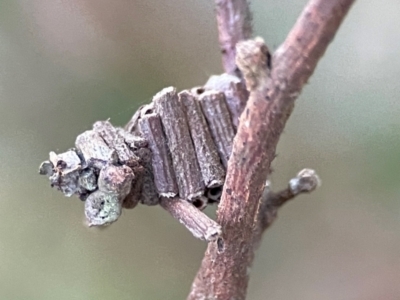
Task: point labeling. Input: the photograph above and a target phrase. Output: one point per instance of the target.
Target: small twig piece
(164, 175)
(187, 171)
(219, 121)
(207, 155)
(234, 25)
(116, 141)
(235, 92)
(198, 223)
(110, 167)
(133, 125)
(134, 141)
(94, 149)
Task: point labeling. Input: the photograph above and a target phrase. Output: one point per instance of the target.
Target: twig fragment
(187, 171)
(219, 121)
(207, 155)
(198, 223)
(235, 92)
(254, 60)
(116, 141)
(94, 149)
(234, 25)
(164, 175)
(88, 180)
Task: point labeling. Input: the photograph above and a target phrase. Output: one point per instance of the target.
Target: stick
(187, 171)
(164, 175)
(206, 152)
(219, 121)
(234, 25)
(223, 274)
(235, 93)
(198, 223)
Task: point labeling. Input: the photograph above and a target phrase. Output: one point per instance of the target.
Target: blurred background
(66, 64)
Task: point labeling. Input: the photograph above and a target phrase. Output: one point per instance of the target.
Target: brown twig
(217, 114)
(234, 25)
(305, 181)
(172, 113)
(164, 175)
(224, 270)
(235, 91)
(207, 155)
(198, 223)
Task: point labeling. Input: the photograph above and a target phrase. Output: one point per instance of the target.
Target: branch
(305, 181)
(224, 270)
(198, 223)
(234, 25)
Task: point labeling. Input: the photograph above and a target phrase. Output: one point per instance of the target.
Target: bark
(224, 270)
(234, 25)
(207, 155)
(188, 174)
(199, 224)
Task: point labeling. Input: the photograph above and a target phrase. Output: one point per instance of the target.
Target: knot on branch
(254, 61)
(305, 181)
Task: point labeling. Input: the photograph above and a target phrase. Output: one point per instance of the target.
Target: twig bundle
(175, 147)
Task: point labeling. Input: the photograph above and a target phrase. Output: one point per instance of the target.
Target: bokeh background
(66, 64)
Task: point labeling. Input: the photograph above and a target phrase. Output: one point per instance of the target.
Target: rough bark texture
(199, 224)
(235, 92)
(219, 121)
(224, 270)
(207, 155)
(234, 25)
(164, 175)
(187, 170)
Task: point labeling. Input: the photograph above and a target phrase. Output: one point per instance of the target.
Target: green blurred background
(66, 64)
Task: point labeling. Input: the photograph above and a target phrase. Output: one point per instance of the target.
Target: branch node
(305, 181)
(254, 60)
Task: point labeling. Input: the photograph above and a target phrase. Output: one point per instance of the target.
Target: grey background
(66, 64)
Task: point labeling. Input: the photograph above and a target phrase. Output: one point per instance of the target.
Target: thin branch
(234, 25)
(198, 223)
(306, 181)
(224, 270)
